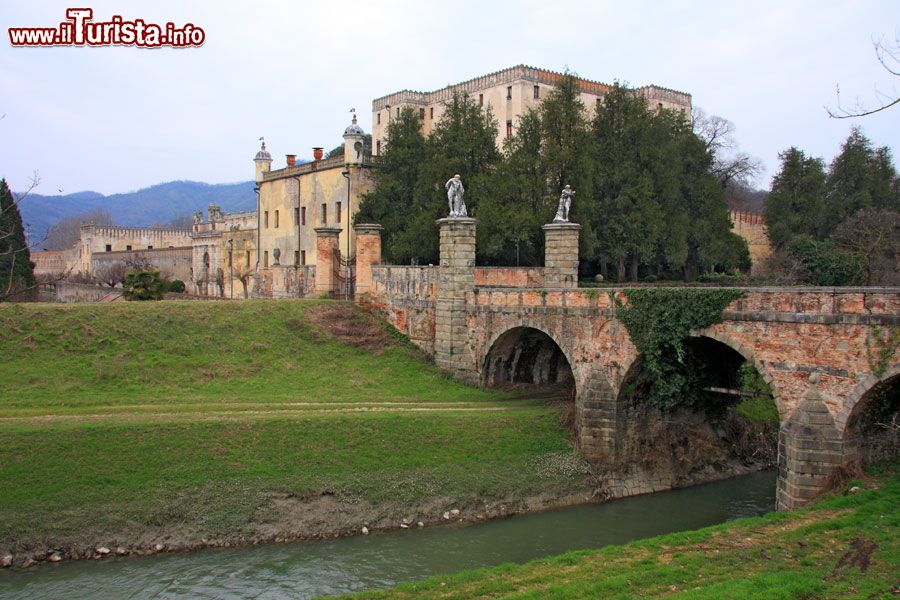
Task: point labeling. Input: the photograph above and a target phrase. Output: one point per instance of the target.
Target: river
(306, 569)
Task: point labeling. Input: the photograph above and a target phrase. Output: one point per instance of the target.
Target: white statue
(565, 202)
(455, 191)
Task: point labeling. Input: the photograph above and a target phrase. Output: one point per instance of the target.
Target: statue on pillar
(565, 202)
(455, 191)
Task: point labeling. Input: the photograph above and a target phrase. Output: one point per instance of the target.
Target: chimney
(291, 159)
(317, 153)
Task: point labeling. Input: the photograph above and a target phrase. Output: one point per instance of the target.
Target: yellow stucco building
(510, 93)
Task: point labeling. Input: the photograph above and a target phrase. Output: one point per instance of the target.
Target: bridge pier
(561, 255)
(809, 448)
(457, 277)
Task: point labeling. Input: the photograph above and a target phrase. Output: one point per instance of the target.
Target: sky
(117, 119)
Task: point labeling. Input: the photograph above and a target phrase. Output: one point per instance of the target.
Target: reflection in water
(308, 569)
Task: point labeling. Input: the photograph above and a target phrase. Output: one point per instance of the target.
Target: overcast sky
(117, 119)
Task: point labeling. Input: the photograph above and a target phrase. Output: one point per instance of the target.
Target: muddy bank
(326, 516)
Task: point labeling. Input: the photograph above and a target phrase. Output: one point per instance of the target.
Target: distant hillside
(158, 203)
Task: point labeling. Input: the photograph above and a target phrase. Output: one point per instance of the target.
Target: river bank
(297, 571)
(843, 546)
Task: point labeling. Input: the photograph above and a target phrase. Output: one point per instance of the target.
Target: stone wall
(519, 277)
(284, 281)
(407, 295)
(173, 263)
(752, 227)
(82, 292)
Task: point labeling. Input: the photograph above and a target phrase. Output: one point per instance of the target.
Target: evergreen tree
(16, 268)
(393, 200)
(519, 203)
(860, 177)
(796, 204)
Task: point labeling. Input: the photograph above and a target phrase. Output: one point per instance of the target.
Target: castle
(304, 211)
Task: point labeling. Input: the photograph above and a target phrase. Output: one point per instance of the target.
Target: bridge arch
(525, 354)
(862, 440)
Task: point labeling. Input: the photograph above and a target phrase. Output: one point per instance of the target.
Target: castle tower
(263, 162)
(354, 139)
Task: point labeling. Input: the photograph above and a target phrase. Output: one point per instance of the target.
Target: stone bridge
(820, 349)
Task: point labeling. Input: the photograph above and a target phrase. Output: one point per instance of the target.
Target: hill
(158, 203)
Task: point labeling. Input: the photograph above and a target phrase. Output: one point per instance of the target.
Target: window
(537, 92)
(509, 129)
(109, 247)
(599, 103)
(378, 116)
(296, 257)
(432, 113)
(509, 93)
(324, 213)
(128, 248)
(337, 210)
(149, 247)
(276, 219)
(266, 215)
(303, 216)
(303, 257)
(377, 146)
(398, 111)
(248, 259)
(266, 258)
(296, 216)
(422, 114)
(230, 258)
(480, 99)
(659, 106)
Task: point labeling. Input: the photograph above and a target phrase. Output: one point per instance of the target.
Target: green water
(303, 570)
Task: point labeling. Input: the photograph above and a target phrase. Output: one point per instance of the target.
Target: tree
(510, 217)
(860, 177)
(796, 204)
(729, 165)
(409, 195)
(393, 199)
(144, 285)
(873, 235)
(112, 273)
(16, 268)
(67, 232)
(888, 56)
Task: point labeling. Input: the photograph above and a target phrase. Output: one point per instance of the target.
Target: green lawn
(843, 547)
(137, 423)
(65, 356)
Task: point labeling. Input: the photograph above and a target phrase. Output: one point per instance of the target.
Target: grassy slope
(183, 352)
(812, 553)
(116, 421)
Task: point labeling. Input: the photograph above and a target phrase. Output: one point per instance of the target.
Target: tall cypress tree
(796, 204)
(16, 268)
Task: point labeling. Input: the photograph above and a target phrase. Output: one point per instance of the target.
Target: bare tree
(112, 273)
(66, 232)
(729, 165)
(179, 222)
(874, 235)
(888, 55)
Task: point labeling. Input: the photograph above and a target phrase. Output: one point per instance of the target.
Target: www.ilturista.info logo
(78, 30)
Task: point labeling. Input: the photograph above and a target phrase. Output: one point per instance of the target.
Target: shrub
(144, 285)
(177, 286)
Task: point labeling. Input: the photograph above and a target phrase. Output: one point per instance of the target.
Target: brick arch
(851, 402)
(741, 349)
(566, 348)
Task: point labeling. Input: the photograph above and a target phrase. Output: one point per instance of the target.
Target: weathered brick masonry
(814, 346)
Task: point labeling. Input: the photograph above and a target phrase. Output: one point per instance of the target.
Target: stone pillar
(327, 254)
(368, 253)
(456, 277)
(561, 255)
(809, 447)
